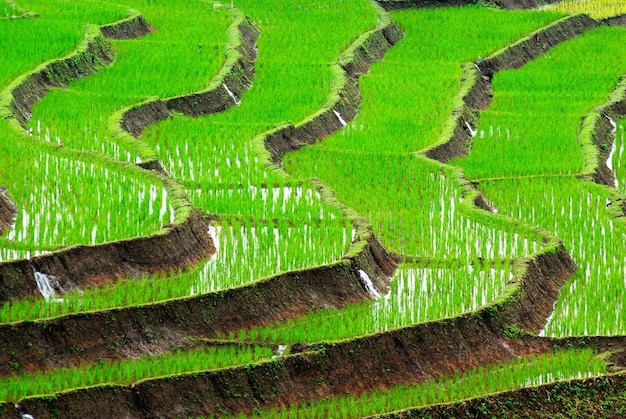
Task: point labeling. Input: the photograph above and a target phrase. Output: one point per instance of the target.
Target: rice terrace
(312, 208)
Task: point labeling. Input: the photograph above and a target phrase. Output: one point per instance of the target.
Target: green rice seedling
(522, 372)
(247, 251)
(412, 207)
(533, 162)
(597, 9)
(128, 371)
(295, 202)
(213, 156)
(292, 75)
(26, 43)
(425, 217)
(147, 66)
(417, 294)
(554, 91)
(70, 201)
(408, 95)
(592, 301)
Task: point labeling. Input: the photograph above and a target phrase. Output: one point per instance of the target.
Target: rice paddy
(350, 205)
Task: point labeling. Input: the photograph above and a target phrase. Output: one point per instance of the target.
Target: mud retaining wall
(536, 44)
(401, 356)
(405, 355)
(344, 100)
(91, 56)
(108, 334)
(133, 27)
(235, 77)
(78, 266)
(8, 212)
(81, 266)
(475, 91)
(597, 136)
(615, 20)
(600, 397)
(506, 4)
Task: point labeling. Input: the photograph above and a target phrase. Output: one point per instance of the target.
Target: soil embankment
(76, 267)
(94, 334)
(408, 355)
(225, 90)
(414, 354)
(8, 210)
(506, 4)
(476, 84)
(600, 397)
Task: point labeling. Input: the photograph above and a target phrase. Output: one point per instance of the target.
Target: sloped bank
(108, 334)
(181, 244)
(401, 356)
(343, 102)
(506, 4)
(599, 397)
(407, 355)
(597, 139)
(475, 91)
(225, 90)
(8, 211)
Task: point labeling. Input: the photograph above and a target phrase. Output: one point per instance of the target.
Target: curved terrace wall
(506, 4)
(410, 354)
(475, 91)
(182, 244)
(8, 211)
(235, 77)
(407, 355)
(584, 398)
(280, 297)
(597, 138)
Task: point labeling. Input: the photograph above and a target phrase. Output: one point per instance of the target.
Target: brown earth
(238, 79)
(177, 246)
(133, 27)
(601, 397)
(407, 355)
(111, 334)
(479, 95)
(506, 4)
(8, 212)
(291, 137)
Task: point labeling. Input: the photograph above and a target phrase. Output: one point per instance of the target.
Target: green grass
(75, 200)
(528, 140)
(592, 301)
(26, 43)
(247, 251)
(413, 208)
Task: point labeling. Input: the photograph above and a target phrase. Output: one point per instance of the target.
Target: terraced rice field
(286, 209)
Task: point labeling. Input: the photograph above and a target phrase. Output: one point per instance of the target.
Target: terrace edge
(182, 244)
(284, 295)
(514, 307)
(237, 72)
(475, 91)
